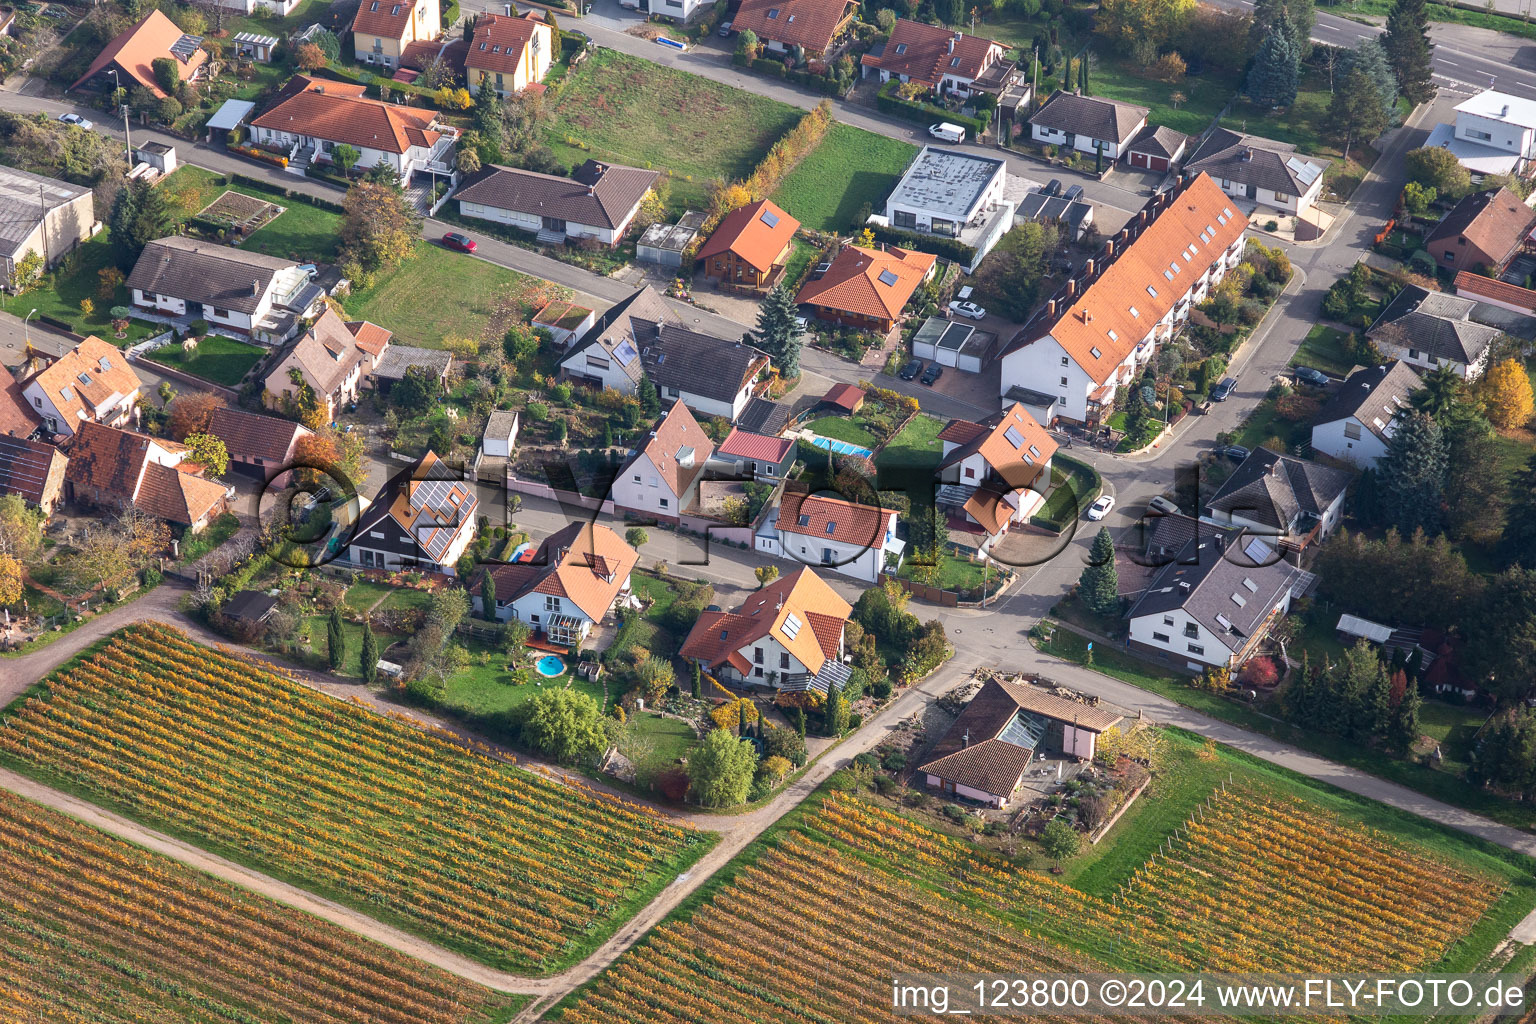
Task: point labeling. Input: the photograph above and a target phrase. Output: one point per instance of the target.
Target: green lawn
(841, 428)
(1440, 785)
(486, 691)
(363, 596)
(627, 109)
(1261, 425)
(301, 232)
(954, 573)
(916, 446)
(196, 545)
(319, 646)
(440, 294)
(58, 295)
(401, 598)
(1073, 488)
(216, 358)
(849, 168)
(667, 738)
(801, 253)
(1324, 348)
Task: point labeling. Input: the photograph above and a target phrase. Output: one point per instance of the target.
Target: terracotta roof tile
(677, 439)
(869, 282)
(16, 417)
(371, 338)
(86, 378)
(1488, 289)
(1013, 444)
(926, 53)
(354, 120)
(844, 396)
(387, 19)
(1100, 319)
(249, 435)
(816, 607)
(135, 49)
(499, 41)
(1496, 222)
(808, 23)
(585, 562)
(815, 515)
(757, 233)
(741, 444)
(177, 497)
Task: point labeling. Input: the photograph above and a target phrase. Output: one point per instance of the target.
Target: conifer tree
(369, 656)
(335, 641)
(1098, 586)
(1409, 50)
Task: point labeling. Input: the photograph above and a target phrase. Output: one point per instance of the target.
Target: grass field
(849, 168)
(116, 933)
(842, 428)
(301, 232)
(470, 852)
(1324, 349)
(1272, 874)
(1073, 490)
(216, 358)
(439, 294)
(623, 108)
(60, 292)
(916, 447)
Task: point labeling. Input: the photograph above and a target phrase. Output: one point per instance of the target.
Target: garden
(1257, 870)
(632, 111)
(213, 358)
(542, 872)
(852, 169)
(1328, 349)
(190, 943)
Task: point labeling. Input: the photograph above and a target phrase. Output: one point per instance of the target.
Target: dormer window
(901, 48)
(805, 520)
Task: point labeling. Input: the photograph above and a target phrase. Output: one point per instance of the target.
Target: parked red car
(454, 240)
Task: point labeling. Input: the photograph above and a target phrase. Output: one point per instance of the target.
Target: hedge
(1077, 467)
(951, 249)
(778, 69)
(926, 113)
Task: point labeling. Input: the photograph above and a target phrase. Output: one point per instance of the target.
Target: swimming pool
(550, 666)
(840, 447)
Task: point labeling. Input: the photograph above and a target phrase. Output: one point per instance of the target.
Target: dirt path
(736, 831)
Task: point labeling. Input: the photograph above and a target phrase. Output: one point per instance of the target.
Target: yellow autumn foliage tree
(1506, 392)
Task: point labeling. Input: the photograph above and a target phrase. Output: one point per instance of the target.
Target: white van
(947, 132)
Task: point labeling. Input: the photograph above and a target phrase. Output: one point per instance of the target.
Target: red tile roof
(678, 433)
(1479, 287)
(25, 466)
(1100, 320)
(869, 282)
(926, 53)
(1012, 443)
(133, 51)
(16, 416)
(716, 637)
(357, 121)
(108, 378)
(387, 19)
(742, 444)
(371, 338)
(809, 23)
(586, 563)
(850, 522)
(499, 41)
(247, 435)
(177, 497)
(757, 233)
(844, 396)
(961, 431)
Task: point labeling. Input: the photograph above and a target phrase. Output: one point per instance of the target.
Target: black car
(1052, 189)
(1231, 451)
(1223, 391)
(1310, 377)
(1073, 193)
(933, 373)
(911, 370)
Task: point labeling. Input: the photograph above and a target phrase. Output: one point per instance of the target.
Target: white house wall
(1148, 629)
(534, 223)
(641, 488)
(1362, 451)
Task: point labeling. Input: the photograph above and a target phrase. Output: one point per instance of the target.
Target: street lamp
(26, 333)
(122, 109)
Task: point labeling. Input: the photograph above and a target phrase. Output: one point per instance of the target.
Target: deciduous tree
(310, 57)
(1439, 169)
(379, 228)
(721, 769)
(566, 725)
(208, 451)
(1506, 393)
(10, 579)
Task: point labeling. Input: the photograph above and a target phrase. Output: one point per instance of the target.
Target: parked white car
(77, 120)
(967, 309)
(1099, 509)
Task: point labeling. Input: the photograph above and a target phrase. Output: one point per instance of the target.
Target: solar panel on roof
(1304, 170)
(887, 277)
(1014, 437)
(770, 218)
(625, 353)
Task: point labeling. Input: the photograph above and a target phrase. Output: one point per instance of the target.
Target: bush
(925, 113)
(954, 812)
(866, 760)
(880, 689)
(895, 761)
(885, 785)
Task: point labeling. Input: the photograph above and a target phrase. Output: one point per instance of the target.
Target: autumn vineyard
(856, 893)
(466, 850)
(93, 929)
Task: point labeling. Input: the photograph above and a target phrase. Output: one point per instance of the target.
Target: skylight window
(954, 62)
(901, 48)
(791, 19)
(1113, 336)
(805, 520)
(1034, 451)
(1135, 314)
(791, 627)
(1223, 622)
(69, 395)
(887, 277)
(1174, 266)
(1239, 600)
(482, 44)
(1168, 274)
(770, 218)
(496, 48)
(1221, 219)
(1014, 437)
(1095, 353)
(1152, 291)
(1228, 211)
(773, 13)
(1210, 230)
(83, 378)
(1250, 586)
(831, 528)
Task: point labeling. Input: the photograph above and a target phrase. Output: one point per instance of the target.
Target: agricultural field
(468, 851)
(622, 108)
(849, 168)
(1264, 874)
(115, 933)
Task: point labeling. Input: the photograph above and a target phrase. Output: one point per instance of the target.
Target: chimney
(1071, 287)
(1050, 308)
(965, 741)
(507, 9)
(954, 37)
(1109, 248)
(1504, 111)
(255, 287)
(1088, 270)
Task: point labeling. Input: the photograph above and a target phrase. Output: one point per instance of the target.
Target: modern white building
(1103, 326)
(1360, 418)
(1494, 133)
(574, 579)
(830, 533)
(246, 292)
(953, 194)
